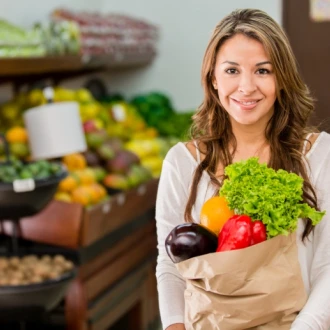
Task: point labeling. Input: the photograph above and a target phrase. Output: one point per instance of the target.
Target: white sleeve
(170, 205)
(316, 313)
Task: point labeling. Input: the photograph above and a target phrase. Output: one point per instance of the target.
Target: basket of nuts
(33, 280)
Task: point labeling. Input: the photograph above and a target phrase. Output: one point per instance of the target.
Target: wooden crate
(71, 225)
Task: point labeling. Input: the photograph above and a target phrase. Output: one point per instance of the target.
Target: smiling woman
(255, 104)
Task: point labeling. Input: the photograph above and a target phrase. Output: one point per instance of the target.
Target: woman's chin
(244, 121)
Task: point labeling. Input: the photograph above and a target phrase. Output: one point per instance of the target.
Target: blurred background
(92, 96)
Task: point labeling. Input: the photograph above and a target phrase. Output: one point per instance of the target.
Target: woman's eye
(263, 71)
(231, 71)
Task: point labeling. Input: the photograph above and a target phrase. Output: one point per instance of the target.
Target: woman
(255, 104)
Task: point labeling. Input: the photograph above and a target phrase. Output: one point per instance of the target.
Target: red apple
(90, 126)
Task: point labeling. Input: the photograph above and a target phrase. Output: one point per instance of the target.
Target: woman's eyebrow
(229, 62)
(263, 63)
(258, 64)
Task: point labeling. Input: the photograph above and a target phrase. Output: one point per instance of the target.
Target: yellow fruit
(82, 196)
(68, 184)
(74, 162)
(147, 133)
(98, 123)
(152, 163)
(17, 134)
(36, 97)
(151, 132)
(89, 111)
(83, 95)
(63, 94)
(214, 213)
(10, 111)
(86, 176)
(63, 196)
(19, 149)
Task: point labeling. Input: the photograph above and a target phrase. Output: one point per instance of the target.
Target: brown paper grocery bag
(259, 287)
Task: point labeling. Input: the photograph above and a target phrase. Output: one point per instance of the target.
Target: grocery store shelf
(61, 67)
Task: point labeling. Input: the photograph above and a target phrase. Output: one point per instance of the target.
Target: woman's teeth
(248, 103)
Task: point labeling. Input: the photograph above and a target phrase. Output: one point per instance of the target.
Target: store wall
(186, 26)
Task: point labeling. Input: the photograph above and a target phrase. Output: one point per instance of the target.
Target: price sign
(24, 185)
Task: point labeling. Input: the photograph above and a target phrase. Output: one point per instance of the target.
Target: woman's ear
(214, 83)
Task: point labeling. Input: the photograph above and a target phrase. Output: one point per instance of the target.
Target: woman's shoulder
(318, 144)
(181, 154)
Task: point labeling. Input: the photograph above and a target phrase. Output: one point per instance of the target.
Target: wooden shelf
(73, 226)
(22, 70)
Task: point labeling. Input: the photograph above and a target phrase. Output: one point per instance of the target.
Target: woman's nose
(247, 84)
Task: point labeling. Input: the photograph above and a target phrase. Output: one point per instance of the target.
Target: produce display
(111, 164)
(264, 207)
(32, 269)
(124, 150)
(82, 185)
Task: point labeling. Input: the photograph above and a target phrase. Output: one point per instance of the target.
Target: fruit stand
(113, 242)
(101, 216)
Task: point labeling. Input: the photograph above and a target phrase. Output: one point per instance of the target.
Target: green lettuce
(274, 197)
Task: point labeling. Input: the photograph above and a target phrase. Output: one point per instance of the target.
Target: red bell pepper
(259, 233)
(235, 234)
(240, 232)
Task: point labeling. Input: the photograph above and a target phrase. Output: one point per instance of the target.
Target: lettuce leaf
(274, 197)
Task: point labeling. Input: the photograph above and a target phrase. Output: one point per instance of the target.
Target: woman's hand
(176, 326)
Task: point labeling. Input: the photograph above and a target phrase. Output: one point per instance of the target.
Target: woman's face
(245, 81)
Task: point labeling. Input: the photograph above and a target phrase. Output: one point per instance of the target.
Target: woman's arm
(171, 201)
(316, 313)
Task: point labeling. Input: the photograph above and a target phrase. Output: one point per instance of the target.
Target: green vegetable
(274, 197)
(40, 169)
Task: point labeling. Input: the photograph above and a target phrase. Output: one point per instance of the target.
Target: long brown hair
(287, 128)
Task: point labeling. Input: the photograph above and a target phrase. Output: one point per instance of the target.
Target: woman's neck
(251, 143)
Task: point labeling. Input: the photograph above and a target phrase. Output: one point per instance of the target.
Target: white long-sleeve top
(313, 254)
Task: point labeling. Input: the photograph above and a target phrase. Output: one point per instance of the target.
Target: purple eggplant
(190, 240)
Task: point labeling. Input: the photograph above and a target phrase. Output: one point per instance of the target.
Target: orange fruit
(68, 184)
(97, 192)
(214, 213)
(82, 195)
(17, 134)
(74, 162)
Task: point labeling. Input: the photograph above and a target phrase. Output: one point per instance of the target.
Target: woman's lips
(246, 104)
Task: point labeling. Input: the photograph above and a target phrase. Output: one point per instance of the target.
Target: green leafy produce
(274, 197)
(158, 112)
(17, 170)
